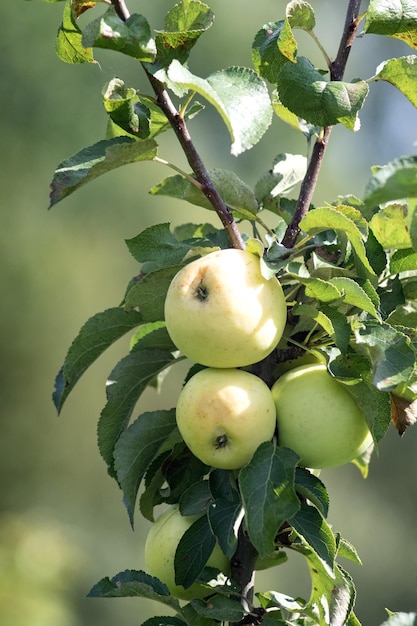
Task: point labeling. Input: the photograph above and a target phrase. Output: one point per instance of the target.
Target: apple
(318, 418)
(221, 312)
(160, 547)
(223, 416)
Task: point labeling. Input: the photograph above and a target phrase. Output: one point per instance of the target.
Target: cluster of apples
(222, 313)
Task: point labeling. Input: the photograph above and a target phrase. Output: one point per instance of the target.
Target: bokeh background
(62, 522)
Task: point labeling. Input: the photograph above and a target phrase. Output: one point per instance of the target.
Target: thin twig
(308, 186)
(179, 126)
(121, 9)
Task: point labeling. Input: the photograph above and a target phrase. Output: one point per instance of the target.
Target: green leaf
(393, 19)
(391, 227)
(346, 550)
(193, 552)
(125, 109)
(303, 91)
(403, 261)
(238, 196)
(219, 608)
(292, 119)
(126, 383)
(158, 247)
(69, 47)
(332, 322)
(394, 181)
(404, 315)
(353, 294)
(329, 218)
(136, 448)
(287, 171)
(268, 494)
(184, 25)
(152, 335)
(196, 499)
(389, 351)
(311, 487)
(333, 593)
(97, 334)
(194, 619)
(402, 73)
(311, 526)
(91, 162)
(222, 516)
(134, 583)
(300, 14)
(268, 49)
(149, 293)
(132, 37)
(356, 371)
(239, 95)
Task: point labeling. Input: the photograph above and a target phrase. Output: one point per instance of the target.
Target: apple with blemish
(220, 311)
(223, 416)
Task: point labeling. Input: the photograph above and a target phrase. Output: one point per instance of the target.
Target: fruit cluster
(222, 313)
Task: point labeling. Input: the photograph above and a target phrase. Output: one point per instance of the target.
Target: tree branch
(308, 186)
(180, 128)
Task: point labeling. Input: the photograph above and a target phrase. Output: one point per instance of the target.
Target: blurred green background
(62, 522)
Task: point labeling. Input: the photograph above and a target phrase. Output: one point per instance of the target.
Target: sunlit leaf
(394, 181)
(69, 46)
(132, 37)
(402, 73)
(393, 18)
(239, 95)
(184, 25)
(287, 171)
(390, 352)
(329, 218)
(300, 14)
(268, 49)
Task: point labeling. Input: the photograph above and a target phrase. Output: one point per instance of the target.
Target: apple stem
(308, 185)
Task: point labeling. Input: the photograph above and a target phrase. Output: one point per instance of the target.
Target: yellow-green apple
(224, 414)
(161, 545)
(221, 312)
(318, 418)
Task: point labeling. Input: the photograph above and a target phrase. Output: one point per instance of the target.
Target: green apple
(221, 312)
(224, 414)
(160, 547)
(318, 418)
